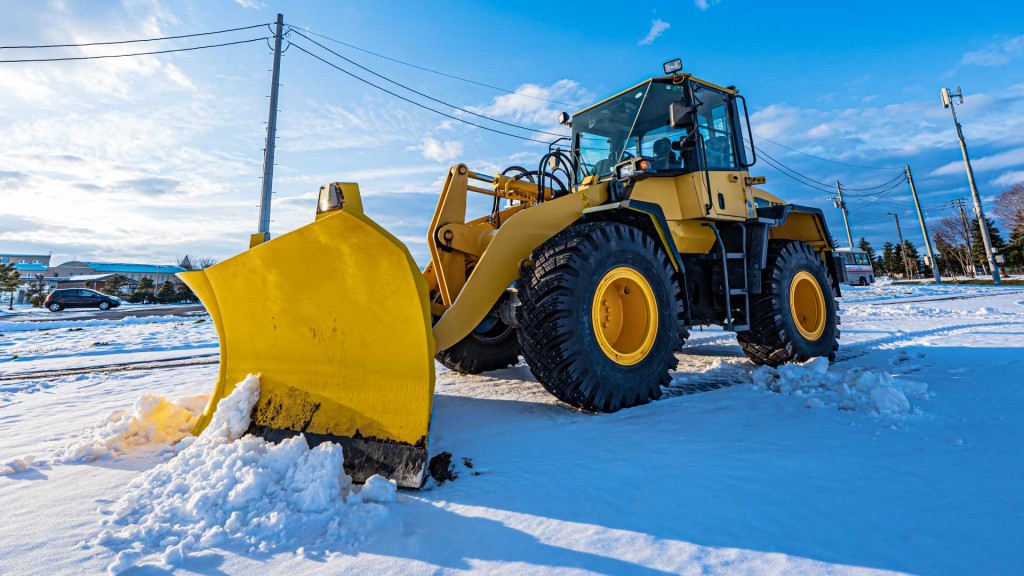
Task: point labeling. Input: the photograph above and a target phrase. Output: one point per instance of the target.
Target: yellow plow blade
(335, 319)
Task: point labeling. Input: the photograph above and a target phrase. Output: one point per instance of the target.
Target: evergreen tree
(876, 262)
(889, 258)
(978, 246)
(114, 285)
(913, 258)
(143, 292)
(185, 294)
(36, 291)
(10, 279)
(166, 294)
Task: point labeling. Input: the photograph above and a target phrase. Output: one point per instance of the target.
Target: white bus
(856, 267)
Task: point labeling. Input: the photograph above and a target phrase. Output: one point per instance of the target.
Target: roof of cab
(674, 77)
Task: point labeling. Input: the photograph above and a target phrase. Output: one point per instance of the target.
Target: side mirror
(682, 117)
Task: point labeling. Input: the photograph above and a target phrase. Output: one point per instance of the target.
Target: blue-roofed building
(158, 273)
(28, 264)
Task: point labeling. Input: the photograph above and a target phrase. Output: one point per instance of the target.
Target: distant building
(158, 273)
(28, 265)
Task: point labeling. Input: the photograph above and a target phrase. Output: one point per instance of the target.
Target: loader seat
(664, 157)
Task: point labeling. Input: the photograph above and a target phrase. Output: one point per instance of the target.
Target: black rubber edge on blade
(404, 463)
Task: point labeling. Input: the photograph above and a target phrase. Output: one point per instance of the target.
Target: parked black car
(79, 298)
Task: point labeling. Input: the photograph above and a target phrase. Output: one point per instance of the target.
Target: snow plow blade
(334, 317)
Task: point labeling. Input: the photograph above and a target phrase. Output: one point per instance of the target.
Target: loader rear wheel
(795, 318)
(601, 316)
(493, 345)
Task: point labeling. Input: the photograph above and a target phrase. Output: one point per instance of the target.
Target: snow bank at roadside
(25, 326)
(225, 489)
(857, 389)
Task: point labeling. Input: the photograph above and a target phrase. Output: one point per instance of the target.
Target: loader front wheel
(795, 318)
(601, 316)
(493, 345)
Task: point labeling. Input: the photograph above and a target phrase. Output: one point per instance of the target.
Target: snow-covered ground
(902, 456)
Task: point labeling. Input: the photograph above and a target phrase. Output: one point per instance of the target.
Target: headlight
(624, 171)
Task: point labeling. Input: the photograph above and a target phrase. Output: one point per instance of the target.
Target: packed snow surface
(903, 456)
(223, 489)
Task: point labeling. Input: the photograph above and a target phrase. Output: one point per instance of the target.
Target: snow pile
(857, 389)
(153, 420)
(223, 489)
(17, 465)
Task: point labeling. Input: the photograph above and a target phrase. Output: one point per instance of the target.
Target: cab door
(717, 121)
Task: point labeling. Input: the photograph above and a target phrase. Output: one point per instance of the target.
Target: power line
(427, 96)
(424, 106)
(425, 69)
(133, 41)
(826, 159)
(62, 59)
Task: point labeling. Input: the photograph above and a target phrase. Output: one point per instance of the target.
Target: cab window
(715, 122)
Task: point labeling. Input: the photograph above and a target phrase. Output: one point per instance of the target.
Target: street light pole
(947, 102)
(903, 247)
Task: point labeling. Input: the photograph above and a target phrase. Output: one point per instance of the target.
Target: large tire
(777, 335)
(557, 316)
(491, 346)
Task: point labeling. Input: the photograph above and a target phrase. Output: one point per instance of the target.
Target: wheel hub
(807, 304)
(625, 316)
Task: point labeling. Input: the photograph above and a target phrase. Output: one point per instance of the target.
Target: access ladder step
(737, 291)
(740, 327)
(735, 256)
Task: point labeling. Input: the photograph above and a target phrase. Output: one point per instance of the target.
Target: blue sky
(145, 159)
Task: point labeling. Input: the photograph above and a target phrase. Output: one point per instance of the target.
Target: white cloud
(531, 104)
(1009, 178)
(995, 54)
(1008, 159)
(705, 4)
(658, 27)
(251, 4)
(433, 149)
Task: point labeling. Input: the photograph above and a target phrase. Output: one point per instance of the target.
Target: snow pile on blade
(153, 420)
(857, 389)
(226, 490)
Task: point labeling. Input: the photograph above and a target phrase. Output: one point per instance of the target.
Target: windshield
(636, 123)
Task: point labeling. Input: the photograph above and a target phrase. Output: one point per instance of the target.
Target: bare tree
(1009, 207)
(196, 263)
(951, 242)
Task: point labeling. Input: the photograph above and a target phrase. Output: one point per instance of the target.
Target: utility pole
(924, 229)
(903, 247)
(967, 235)
(263, 231)
(838, 202)
(947, 102)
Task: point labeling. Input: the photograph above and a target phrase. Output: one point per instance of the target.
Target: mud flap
(335, 319)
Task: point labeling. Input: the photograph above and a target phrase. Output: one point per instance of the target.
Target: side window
(656, 145)
(862, 258)
(714, 120)
(84, 294)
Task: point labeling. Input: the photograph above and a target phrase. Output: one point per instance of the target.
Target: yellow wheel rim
(807, 304)
(625, 316)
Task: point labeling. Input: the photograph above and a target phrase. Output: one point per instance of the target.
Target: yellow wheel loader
(592, 268)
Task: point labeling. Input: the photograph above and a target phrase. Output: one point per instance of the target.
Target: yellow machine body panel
(334, 317)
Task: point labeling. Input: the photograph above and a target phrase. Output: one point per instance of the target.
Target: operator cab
(703, 131)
